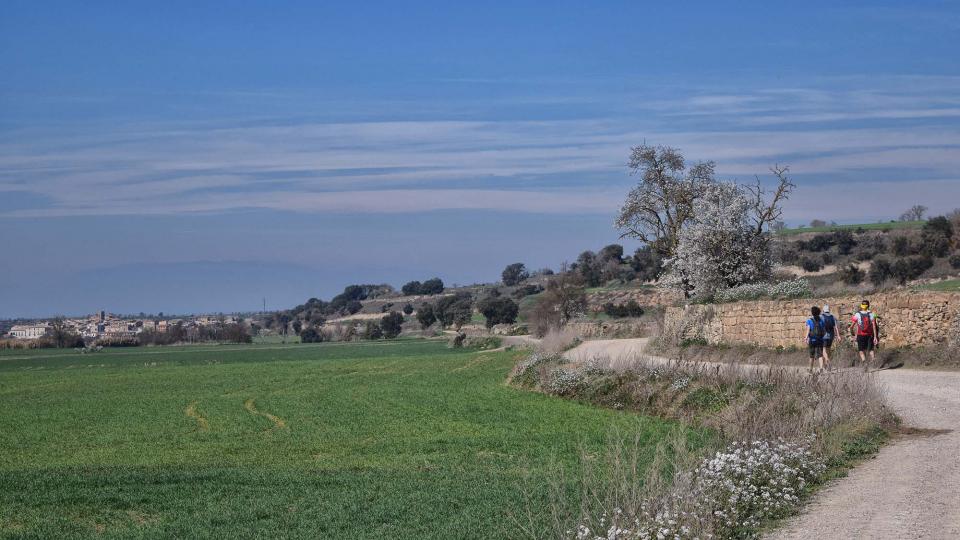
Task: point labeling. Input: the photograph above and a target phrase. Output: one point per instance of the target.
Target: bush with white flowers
(535, 359)
(796, 288)
(565, 381)
(728, 495)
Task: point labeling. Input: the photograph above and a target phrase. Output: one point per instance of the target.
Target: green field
(947, 285)
(892, 225)
(404, 439)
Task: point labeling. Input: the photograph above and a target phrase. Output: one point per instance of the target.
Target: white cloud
(412, 165)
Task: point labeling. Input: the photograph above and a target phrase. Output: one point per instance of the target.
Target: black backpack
(829, 324)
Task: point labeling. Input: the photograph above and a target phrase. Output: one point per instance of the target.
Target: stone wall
(626, 328)
(647, 296)
(906, 318)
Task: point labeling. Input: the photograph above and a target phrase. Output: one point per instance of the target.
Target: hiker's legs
(864, 344)
(825, 359)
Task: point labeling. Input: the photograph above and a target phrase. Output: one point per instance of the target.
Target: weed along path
(911, 489)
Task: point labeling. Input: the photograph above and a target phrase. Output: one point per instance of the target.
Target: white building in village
(29, 331)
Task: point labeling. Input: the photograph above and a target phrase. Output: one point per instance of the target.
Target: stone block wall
(650, 296)
(906, 318)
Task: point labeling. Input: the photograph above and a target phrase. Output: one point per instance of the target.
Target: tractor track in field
(191, 411)
(473, 362)
(251, 406)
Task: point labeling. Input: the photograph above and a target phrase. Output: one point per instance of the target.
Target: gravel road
(911, 489)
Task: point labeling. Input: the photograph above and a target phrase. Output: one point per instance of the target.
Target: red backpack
(864, 323)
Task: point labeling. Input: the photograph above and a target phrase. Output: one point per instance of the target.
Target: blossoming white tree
(719, 248)
(715, 235)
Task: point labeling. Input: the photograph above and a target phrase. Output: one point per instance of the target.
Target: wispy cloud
(574, 166)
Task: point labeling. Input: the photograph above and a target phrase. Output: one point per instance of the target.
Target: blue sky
(199, 156)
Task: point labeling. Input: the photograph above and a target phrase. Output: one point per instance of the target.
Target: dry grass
(558, 340)
(833, 413)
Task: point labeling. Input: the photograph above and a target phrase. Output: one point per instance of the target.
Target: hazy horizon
(184, 158)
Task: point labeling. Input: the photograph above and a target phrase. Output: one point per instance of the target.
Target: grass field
(403, 439)
(947, 285)
(892, 225)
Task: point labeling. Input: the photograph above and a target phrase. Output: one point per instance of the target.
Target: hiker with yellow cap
(864, 327)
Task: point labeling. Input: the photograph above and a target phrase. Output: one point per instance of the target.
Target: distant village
(103, 325)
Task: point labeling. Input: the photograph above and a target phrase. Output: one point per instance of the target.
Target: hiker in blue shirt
(813, 333)
(830, 333)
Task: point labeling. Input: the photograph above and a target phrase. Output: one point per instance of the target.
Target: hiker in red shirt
(863, 326)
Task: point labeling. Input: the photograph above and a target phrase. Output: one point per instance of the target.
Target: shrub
(590, 268)
(647, 264)
(630, 309)
(797, 288)
(513, 274)
(935, 245)
(353, 307)
(845, 242)
(565, 381)
(955, 261)
(901, 246)
(851, 274)
(730, 494)
(391, 324)
(426, 316)
(483, 343)
(527, 290)
(372, 331)
(498, 310)
(939, 225)
(809, 264)
(411, 288)
(431, 287)
(563, 300)
(881, 270)
(820, 242)
(458, 340)
(910, 268)
(408, 309)
(310, 335)
(455, 310)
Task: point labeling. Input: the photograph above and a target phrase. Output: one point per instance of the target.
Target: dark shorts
(827, 343)
(816, 350)
(864, 343)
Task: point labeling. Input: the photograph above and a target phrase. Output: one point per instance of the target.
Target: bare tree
(662, 202)
(914, 213)
(766, 213)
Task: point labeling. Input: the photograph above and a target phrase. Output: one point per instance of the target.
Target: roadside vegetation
(774, 434)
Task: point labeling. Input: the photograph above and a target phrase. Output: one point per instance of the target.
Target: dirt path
(910, 490)
(610, 348)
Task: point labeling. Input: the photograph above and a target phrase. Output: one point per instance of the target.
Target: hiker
(813, 333)
(864, 328)
(830, 333)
